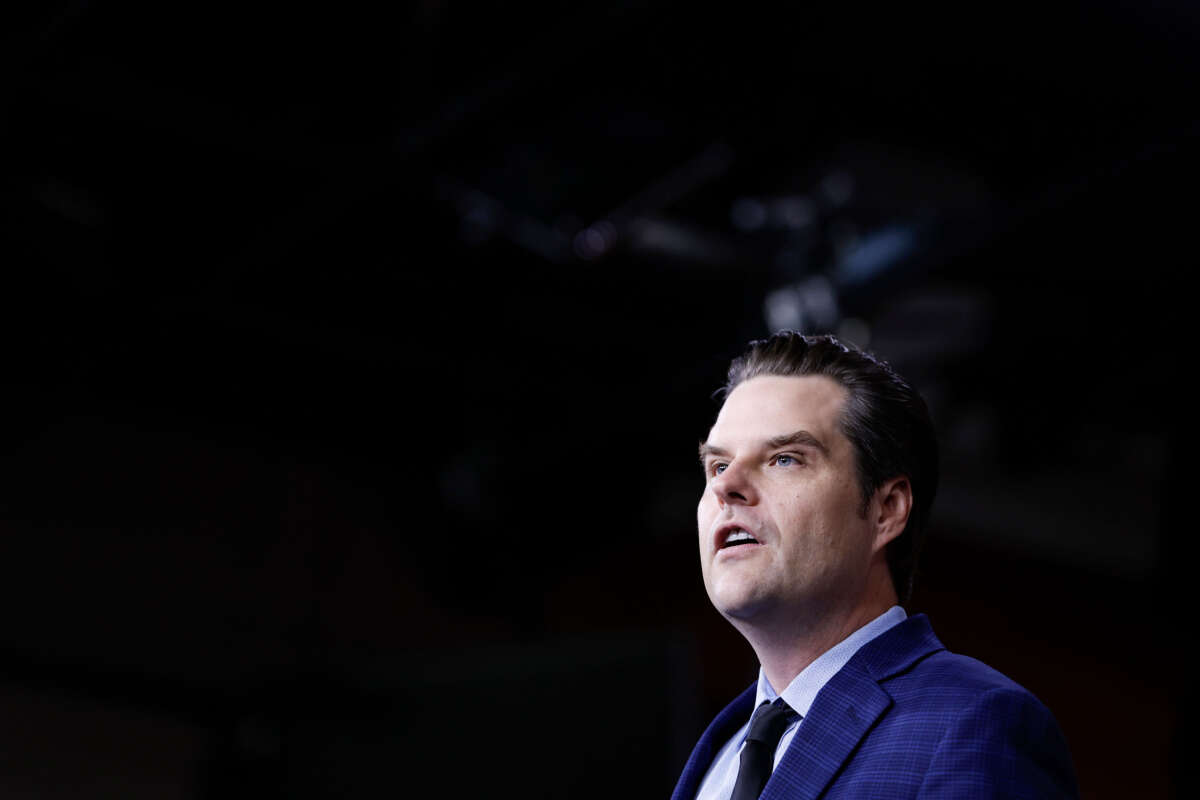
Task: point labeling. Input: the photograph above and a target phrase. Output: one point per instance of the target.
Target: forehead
(771, 405)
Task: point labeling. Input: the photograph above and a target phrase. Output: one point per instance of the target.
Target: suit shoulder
(953, 677)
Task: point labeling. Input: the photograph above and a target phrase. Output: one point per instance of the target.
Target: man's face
(780, 476)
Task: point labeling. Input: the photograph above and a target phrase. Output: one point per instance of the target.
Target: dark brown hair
(885, 420)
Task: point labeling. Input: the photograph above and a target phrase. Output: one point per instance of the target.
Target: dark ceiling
(338, 334)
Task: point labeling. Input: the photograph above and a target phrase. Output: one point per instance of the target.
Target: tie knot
(770, 721)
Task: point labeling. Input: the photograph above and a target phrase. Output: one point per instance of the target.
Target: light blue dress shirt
(800, 693)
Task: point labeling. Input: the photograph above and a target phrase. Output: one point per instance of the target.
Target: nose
(733, 486)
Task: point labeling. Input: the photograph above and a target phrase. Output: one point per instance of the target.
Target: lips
(734, 535)
(738, 537)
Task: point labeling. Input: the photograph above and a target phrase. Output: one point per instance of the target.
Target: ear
(895, 502)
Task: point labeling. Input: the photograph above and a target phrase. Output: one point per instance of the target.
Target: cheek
(811, 532)
(705, 508)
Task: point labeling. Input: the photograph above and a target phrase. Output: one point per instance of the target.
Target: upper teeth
(739, 535)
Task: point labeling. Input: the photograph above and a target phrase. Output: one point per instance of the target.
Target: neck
(787, 647)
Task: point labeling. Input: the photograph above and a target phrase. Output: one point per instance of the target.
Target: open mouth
(737, 537)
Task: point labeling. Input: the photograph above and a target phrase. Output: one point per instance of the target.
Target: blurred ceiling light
(838, 187)
(477, 224)
(748, 214)
(595, 240)
(855, 331)
(875, 253)
(783, 310)
(793, 212)
(809, 306)
(666, 238)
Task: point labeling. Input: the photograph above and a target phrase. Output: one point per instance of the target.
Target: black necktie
(758, 754)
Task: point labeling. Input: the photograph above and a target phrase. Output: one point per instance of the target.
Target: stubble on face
(778, 465)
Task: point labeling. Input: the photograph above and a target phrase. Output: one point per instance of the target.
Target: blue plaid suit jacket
(905, 718)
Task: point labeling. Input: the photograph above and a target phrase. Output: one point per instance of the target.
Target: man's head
(865, 442)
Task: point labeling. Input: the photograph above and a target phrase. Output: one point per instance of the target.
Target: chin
(738, 602)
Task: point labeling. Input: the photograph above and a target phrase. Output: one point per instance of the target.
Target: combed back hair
(885, 420)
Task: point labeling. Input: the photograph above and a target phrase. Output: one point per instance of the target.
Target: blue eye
(785, 460)
(719, 468)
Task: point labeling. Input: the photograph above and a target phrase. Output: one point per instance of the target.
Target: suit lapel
(718, 732)
(846, 708)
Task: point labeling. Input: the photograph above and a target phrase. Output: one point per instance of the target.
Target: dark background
(355, 360)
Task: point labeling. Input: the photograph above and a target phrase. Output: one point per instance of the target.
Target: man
(820, 471)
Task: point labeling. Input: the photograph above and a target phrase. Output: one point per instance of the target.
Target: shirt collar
(802, 691)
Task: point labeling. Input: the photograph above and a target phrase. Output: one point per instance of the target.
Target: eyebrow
(707, 450)
(801, 437)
